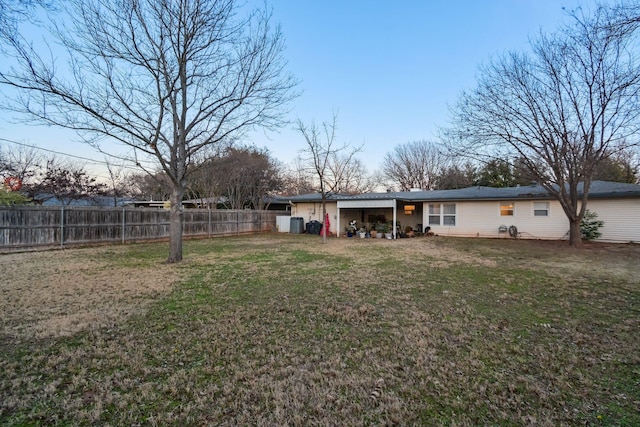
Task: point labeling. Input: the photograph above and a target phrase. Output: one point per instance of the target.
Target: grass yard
(274, 330)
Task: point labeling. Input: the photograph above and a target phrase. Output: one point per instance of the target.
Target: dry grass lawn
(282, 330)
(60, 293)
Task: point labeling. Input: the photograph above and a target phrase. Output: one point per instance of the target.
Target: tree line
(237, 178)
(247, 177)
(430, 166)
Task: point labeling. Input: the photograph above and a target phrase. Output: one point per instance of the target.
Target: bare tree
(348, 175)
(150, 186)
(624, 18)
(13, 12)
(167, 78)
(245, 176)
(323, 152)
(414, 165)
(202, 184)
(562, 109)
(267, 180)
(297, 179)
(117, 181)
(65, 182)
(44, 178)
(20, 161)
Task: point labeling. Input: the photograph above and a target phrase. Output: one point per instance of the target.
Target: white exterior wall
(313, 211)
(483, 219)
(621, 219)
(411, 220)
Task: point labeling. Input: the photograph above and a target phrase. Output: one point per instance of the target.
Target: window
(449, 214)
(541, 209)
(444, 214)
(434, 214)
(507, 208)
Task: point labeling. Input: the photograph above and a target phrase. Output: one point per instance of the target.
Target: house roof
(598, 190)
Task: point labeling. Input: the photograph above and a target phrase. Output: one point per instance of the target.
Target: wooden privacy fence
(32, 226)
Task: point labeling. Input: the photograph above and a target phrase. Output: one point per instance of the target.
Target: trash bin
(314, 227)
(296, 225)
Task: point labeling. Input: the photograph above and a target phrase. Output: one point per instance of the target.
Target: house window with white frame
(434, 214)
(507, 208)
(540, 208)
(449, 214)
(442, 214)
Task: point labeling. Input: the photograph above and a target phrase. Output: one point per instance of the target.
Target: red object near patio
(326, 226)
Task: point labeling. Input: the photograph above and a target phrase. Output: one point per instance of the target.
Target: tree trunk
(175, 226)
(575, 234)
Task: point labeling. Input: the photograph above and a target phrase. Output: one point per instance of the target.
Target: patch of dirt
(59, 293)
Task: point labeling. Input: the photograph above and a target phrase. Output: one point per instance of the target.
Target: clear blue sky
(389, 69)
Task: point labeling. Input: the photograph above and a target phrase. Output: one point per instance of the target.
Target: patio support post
(395, 218)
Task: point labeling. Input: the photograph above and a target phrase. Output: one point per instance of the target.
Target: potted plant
(373, 232)
(388, 231)
(351, 228)
(380, 228)
(408, 231)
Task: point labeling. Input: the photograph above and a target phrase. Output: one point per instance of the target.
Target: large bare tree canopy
(562, 109)
(239, 178)
(414, 165)
(168, 78)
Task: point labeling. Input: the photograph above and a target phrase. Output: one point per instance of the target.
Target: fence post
(62, 226)
(209, 224)
(123, 225)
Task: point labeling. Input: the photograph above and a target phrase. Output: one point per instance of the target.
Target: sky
(388, 70)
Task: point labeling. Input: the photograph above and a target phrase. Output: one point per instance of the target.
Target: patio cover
(363, 204)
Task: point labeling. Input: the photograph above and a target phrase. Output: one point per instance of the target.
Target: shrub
(590, 225)
(8, 198)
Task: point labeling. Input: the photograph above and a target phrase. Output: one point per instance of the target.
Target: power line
(97, 162)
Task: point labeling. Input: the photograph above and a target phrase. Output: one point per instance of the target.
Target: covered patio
(368, 212)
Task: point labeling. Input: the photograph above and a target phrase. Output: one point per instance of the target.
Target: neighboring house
(271, 203)
(106, 201)
(480, 211)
